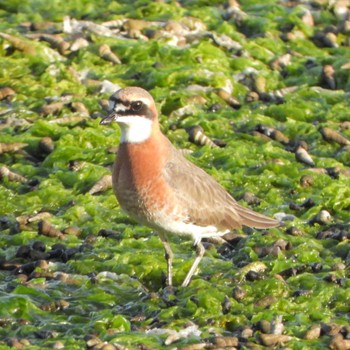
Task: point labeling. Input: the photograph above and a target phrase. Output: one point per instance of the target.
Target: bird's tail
(253, 219)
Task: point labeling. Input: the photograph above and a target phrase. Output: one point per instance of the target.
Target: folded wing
(206, 202)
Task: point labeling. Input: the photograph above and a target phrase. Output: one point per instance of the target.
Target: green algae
(123, 305)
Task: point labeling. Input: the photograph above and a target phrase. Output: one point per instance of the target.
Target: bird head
(134, 109)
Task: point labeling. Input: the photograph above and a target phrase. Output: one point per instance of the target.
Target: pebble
(294, 231)
(274, 339)
(226, 305)
(313, 333)
(339, 343)
(11, 147)
(338, 266)
(57, 345)
(225, 342)
(306, 181)
(247, 333)
(330, 329)
(239, 293)
(266, 301)
(322, 218)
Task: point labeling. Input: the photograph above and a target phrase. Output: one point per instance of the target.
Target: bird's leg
(169, 258)
(200, 250)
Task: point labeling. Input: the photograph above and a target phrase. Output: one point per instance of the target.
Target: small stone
(277, 326)
(313, 333)
(226, 305)
(225, 342)
(72, 230)
(302, 292)
(316, 267)
(294, 231)
(264, 326)
(330, 329)
(92, 340)
(239, 293)
(291, 271)
(23, 251)
(198, 346)
(57, 345)
(338, 266)
(46, 145)
(322, 218)
(109, 347)
(266, 301)
(250, 198)
(339, 343)
(274, 339)
(39, 246)
(332, 279)
(17, 343)
(247, 333)
(306, 180)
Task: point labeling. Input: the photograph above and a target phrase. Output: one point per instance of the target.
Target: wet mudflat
(257, 94)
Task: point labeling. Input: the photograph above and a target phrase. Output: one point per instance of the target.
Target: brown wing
(208, 203)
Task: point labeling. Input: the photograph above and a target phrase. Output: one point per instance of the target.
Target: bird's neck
(146, 142)
(136, 129)
(143, 161)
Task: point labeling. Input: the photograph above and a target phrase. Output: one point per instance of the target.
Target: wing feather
(206, 202)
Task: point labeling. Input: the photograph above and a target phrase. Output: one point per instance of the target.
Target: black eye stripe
(143, 112)
(126, 108)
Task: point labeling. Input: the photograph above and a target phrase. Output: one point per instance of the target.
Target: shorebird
(158, 187)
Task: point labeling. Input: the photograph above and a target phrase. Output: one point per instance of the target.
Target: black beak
(111, 117)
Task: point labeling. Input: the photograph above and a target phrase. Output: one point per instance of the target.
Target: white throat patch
(135, 129)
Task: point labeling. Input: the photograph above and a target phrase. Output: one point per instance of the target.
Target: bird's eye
(136, 106)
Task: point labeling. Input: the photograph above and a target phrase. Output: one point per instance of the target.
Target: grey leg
(200, 250)
(169, 258)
